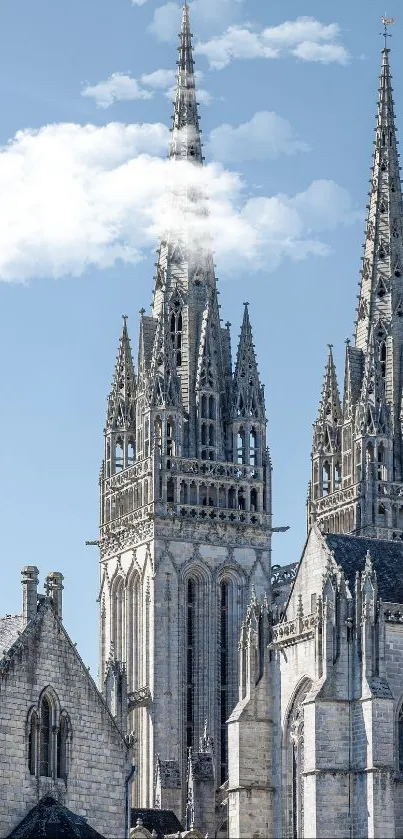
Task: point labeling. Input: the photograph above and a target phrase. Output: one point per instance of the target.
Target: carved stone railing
(214, 469)
(217, 514)
(299, 629)
(338, 498)
(139, 698)
(126, 477)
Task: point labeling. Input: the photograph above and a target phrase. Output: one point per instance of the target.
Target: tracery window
(224, 604)
(295, 764)
(48, 735)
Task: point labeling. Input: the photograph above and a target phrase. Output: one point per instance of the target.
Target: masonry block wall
(97, 761)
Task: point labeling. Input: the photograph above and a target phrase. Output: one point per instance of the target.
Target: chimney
(29, 581)
(54, 588)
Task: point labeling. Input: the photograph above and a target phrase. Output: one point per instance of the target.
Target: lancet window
(118, 618)
(49, 735)
(294, 767)
(191, 594)
(400, 739)
(119, 458)
(224, 675)
(176, 327)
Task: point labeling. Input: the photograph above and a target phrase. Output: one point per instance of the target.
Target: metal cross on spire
(387, 21)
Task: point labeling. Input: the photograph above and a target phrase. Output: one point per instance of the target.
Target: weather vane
(387, 21)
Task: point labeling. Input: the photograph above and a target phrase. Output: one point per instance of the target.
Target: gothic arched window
(191, 588)
(294, 765)
(241, 446)
(45, 738)
(119, 459)
(175, 322)
(326, 478)
(225, 710)
(400, 739)
(252, 447)
(62, 745)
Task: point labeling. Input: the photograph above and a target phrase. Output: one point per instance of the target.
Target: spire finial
(125, 317)
(386, 21)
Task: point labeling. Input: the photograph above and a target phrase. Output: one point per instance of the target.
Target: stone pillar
(54, 589)
(29, 580)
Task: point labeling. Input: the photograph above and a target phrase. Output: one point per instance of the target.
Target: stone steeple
(248, 392)
(326, 450)
(363, 498)
(120, 430)
(186, 523)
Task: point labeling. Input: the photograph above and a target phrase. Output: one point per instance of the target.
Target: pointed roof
(51, 819)
(327, 426)
(210, 373)
(381, 291)
(353, 372)
(164, 383)
(373, 412)
(186, 140)
(121, 400)
(248, 392)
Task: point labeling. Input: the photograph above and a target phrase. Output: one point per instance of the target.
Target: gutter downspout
(127, 799)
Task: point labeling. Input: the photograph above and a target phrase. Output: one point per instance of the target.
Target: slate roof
(10, 627)
(387, 558)
(162, 821)
(51, 820)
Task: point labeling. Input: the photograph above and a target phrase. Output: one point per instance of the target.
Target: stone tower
(185, 499)
(357, 460)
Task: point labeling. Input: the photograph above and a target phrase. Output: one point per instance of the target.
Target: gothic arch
(293, 761)
(118, 612)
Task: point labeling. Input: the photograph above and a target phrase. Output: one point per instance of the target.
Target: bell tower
(185, 527)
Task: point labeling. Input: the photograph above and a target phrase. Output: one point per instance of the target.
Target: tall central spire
(186, 142)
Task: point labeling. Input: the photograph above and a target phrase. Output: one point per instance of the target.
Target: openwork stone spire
(354, 489)
(186, 142)
(121, 400)
(381, 294)
(248, 392)
(327, 426)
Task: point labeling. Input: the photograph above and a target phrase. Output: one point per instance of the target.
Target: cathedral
(236, 698)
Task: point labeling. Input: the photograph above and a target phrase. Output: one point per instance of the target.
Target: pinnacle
(120, 411)
(185, 140)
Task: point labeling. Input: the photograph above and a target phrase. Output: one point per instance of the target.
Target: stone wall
(97, 759)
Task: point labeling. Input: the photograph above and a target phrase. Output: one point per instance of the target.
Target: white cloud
(119, 87)
(266, 135)
(305, 38)
(325, 53)
(138, 2)
(165, 24)
(76, 196)
(159, 79)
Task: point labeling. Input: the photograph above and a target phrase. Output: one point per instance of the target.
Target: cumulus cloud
(119, 87)
(122, 87)
(76, 196)
(266, 135)
(305, 38)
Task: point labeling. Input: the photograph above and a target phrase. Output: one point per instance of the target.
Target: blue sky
(287, 115)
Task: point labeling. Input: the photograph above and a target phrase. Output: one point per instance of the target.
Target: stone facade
(57, 735)
(316, 739)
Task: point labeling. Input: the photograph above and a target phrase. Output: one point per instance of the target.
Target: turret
(326, 447)
(120, 429)
(248, 426)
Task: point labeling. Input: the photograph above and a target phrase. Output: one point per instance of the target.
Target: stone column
(54, 588)
(29, 580)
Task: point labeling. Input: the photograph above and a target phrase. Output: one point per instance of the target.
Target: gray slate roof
(387, 558)
(162, 821)
(10, 627)
(51, 820)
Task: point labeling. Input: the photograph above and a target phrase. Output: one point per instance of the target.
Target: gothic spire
(185, 142)
(381, 292)
(121, 400)
(164, 384)
(248, 392)
(373, 414)
(327, 426)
